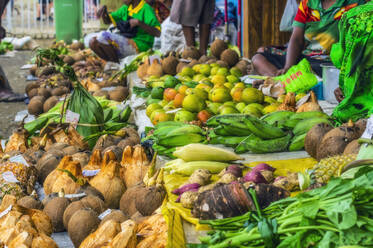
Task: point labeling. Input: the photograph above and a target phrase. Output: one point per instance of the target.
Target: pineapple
(331, 167)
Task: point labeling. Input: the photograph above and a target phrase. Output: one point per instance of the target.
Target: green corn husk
(90, 112)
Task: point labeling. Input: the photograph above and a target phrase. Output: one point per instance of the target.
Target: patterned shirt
(321, 25)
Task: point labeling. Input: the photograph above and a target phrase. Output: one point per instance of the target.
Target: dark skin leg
(189, 35)
(263, 66)
(204, 35)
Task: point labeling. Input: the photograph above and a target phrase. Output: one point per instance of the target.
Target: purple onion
(255, 177)
(185, 188)
(192, 190)
(262, 167)
(279, 178)
(234, 169)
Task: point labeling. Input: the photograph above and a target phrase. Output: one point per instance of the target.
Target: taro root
(229, 200)
(227, 178)
(55, 209)
(109, 183)
(81, 224)
(314, 137)
(135, 165)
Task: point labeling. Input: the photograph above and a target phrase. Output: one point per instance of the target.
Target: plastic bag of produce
(299, 78)
(91, 114)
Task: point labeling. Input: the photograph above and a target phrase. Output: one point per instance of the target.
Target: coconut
(149, 199)
(33, 70)
(78, 57)
(128, 200)
(30, 202)
(46, 93)
(77, 45)
(81, 157)
(30, 86)
(211, 61)
(59, 91)
(43, 241)
(115, 215)
(217, 47)
(55, 209)
(105, 141)
(191, 53)
(116, 150)
(180, 66)
(42, 222)
(56, 146)
(230, 57)
(89, 190)
(81, 224)
(352, 148)
(130, 141)
(119, 94)
(193, 63)
(361, 125)
(94, 203)
(331, 146)
(222, 63)
(102, 93)
(203, 59)
(109, 183)
(155, 69)
(69, 60)
(70, 150)
(314, 137)
(50, 103)
(35, 107)
(169, 65)
(70, 211)
(32, 92)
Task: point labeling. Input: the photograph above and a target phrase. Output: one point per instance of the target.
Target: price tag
(105, 213)
(7, 210)
(9, 177)
(368, 133)
(19, 159)
(100, 79)
(173, 111)
(90, 173)
(75, 195)
(72, 117)
(3, 144)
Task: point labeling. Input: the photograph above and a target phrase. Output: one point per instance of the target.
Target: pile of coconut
(173, 63)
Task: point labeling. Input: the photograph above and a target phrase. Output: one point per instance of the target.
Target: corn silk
(353, 55)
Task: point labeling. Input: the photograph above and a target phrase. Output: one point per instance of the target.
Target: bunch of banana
(168, 135)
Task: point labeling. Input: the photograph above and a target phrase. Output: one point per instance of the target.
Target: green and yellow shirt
(321, 25)
(143, 12)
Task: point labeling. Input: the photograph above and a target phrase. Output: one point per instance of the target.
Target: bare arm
(149, 29)
(294, 50)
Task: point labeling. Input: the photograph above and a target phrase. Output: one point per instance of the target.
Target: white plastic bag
(287, 19)
(172, 37)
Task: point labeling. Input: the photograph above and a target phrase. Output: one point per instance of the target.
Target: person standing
(6, 92)
(190, 13)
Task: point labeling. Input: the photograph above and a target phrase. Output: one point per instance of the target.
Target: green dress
(353, 55)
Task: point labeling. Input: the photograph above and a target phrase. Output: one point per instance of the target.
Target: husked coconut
(314, 137)
(230, 57)
(217, 47)
(191, 53)
(55, 209)
(169, 65)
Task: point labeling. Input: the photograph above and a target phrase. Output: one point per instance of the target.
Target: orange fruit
(182, 89)
(237, 94)
(178, 100)
(169, 94)
(203, 116)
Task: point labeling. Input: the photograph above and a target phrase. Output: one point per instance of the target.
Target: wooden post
(261, 25)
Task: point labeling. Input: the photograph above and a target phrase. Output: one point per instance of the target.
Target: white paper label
(19, 159)
(108, 88)
(99, 79)
(103, 214)
(368, 133)
(9, 177)
(6, 211)
(72, 117)
(173, 111)
(3, 144)
(90, 173)
(154, 57)
(75, 195)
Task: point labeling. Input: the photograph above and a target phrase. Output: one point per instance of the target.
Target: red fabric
(305, 14)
